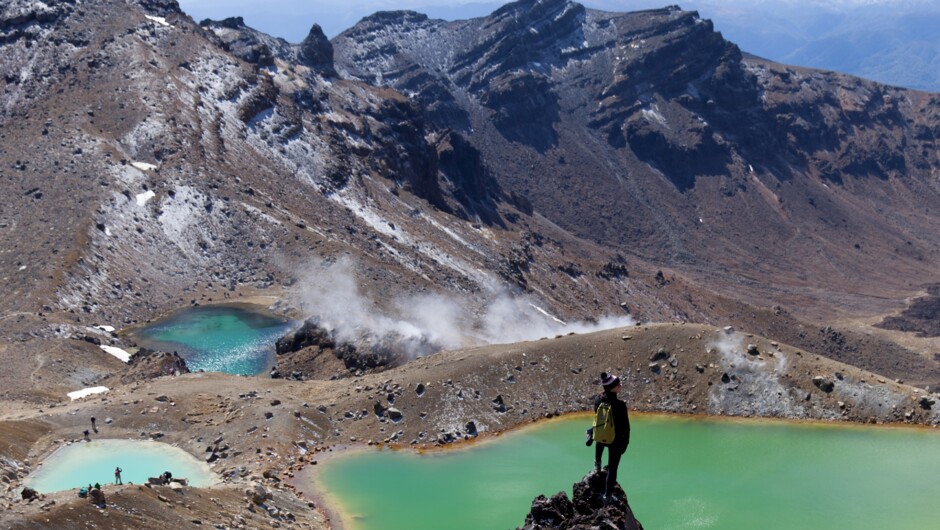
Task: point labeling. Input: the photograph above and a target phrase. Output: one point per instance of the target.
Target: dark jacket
(621, 419)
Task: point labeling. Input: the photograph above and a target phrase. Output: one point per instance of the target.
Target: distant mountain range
(590, 163)
(896, 43)
(889, 41)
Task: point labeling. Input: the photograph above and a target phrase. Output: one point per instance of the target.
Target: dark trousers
(614, 453)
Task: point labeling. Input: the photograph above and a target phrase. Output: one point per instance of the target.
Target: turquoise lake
(679, 473)
(219, 338)
(84, 463)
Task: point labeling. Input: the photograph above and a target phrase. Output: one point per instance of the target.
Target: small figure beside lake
(117, 476)
(611, 429)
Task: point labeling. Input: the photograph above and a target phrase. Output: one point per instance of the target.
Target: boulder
(823, 383)
(259, 494)
(586, 509)
(659, 355)
(471, 428)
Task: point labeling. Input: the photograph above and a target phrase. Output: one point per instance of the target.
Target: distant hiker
(610, 414)
(117, 476)
(97, 498)
(87, 438)
(93, 426)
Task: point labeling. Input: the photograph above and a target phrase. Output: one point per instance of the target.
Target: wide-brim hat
(609, 380)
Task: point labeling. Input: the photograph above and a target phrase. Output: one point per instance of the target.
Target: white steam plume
(329, 291)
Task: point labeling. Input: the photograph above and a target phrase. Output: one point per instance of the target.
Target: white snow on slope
(117, 352)
(142, 198)
(144, 166)
(159, 20)
(79, 394)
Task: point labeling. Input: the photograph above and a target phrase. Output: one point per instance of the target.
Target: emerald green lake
(220, 338)
(679, 473)
(84, 463)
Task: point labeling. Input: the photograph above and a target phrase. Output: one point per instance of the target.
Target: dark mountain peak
(528, 6)
(517, 35)
(230, 23)
(245, 42)
(160, 7)
(255, 47)
(317, 52)
(393, 18)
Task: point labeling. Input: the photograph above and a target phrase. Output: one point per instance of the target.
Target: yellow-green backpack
(604, 432)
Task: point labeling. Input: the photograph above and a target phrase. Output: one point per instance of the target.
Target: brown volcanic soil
(920, 317)
(665, 367)
(656, 171)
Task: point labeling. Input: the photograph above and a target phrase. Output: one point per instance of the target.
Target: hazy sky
(292, 19)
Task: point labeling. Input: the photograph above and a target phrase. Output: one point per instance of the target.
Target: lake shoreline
(308, 483)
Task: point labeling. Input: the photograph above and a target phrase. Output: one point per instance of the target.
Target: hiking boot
(597, 467)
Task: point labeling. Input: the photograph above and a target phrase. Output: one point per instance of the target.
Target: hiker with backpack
(611, 430)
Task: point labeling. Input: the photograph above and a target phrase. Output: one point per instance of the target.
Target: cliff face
(595, 162)
(648, 131)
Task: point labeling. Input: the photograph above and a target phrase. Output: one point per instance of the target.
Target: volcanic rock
(823, 383)
(586, 509)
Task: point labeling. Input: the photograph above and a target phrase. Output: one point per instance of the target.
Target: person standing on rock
(618, 446)
(117, 476)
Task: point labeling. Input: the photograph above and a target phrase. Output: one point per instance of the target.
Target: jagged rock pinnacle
(586, 510)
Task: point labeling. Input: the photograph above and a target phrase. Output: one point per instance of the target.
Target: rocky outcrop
(161, 7)
(242, 41)
(516, 36)
(586, 510)
(400, 150)
(26, 18)
(312, 351)
(309, 334)
(525, 109)
(314, 52)
(147, 364)
(466, 178)
(922, 316)
(317, 52)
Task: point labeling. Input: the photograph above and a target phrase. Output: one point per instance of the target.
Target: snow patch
(85, 392)
(653, 113)
(106, 329)
(549, 315)
(368, 216)
(159, 20)
(142, 198)
(144, 166)
(117, 352)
